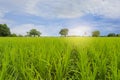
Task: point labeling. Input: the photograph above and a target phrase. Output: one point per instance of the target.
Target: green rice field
(60, 58)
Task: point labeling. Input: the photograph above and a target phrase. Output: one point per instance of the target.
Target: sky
(50, 16)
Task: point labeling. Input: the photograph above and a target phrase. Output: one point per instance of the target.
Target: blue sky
(49, 16)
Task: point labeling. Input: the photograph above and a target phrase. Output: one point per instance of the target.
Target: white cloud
(74, 30)
(81, 30)
(45, 30)
(1, 14)
(73, 8)
(31, 7)
(63, 8)
(53, 8)
(24, 28)
(3, 21)
(50, 31)
(106, 8)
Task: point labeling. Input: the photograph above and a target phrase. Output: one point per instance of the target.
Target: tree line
(5, 31)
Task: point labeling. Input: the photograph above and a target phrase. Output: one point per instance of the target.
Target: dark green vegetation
(96, 33)
(113, 35)
(4, 30)
(64, 32)
(34, 32)
(59, 58)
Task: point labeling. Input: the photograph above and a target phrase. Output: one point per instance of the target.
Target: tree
(118, 35)
(96, 33)
(20, 35)
(13, 35)
(4, 30)
(34, 32)
(64, 32)
(111, 35)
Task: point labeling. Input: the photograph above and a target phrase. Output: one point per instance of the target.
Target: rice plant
(60, 58)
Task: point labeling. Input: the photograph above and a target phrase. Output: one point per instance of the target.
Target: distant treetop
(64, 32)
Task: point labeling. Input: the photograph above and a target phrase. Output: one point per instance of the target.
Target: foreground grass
(59, 58)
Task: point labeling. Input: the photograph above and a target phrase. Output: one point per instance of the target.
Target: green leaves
(34, 32)
(4, 30)
(59, 58)
(64, 31)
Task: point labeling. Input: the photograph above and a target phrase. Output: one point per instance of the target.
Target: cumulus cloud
(106, 8)
(65, 8)
(73, 8)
